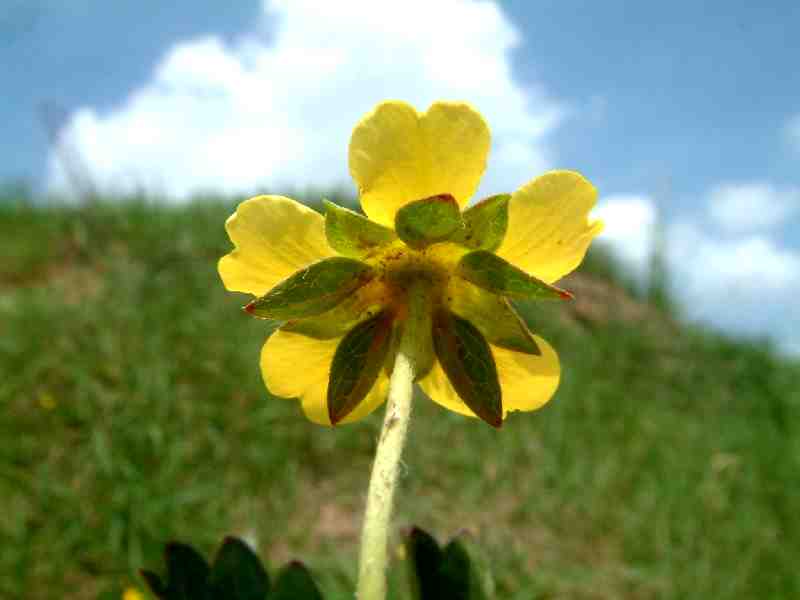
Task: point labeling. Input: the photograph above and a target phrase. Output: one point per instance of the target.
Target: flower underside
(341, 284)
(362, 299)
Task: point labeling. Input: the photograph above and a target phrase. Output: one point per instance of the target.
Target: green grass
(666, 466)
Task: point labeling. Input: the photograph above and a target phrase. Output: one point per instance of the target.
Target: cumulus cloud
(278, 111)
(741, 207)
(744, 282)
(629, 228)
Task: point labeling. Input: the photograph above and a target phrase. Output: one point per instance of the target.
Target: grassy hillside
(133, 413)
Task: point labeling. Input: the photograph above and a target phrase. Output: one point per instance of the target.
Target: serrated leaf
(425, 559)
(187, 574)
(485, 224)
(427, 221)
(493, 315)
(467, 361)
(460, 579)
(492, 273)
(356, 365)
(294, 582)
(155, 584)
(237, 573)
(352, 234)
(313, 290)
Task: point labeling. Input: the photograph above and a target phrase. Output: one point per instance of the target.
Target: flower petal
(297, 366)
(528, 381)
(398, 156)
(548, 226)
(273, 237)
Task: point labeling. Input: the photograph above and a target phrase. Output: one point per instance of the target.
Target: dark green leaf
(155, 584)
(294, 582)
(467, 360)
(237, 573)
(187, 574)
(351, 234)
(357, 364)
(425, 559)
(313, 290)
(427, 221)
(498, 276)
(493, 315)
(485, 224)
(459, 575)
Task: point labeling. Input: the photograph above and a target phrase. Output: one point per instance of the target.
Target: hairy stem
(382, 484)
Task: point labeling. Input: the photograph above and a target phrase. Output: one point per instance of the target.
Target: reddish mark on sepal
(566, 295)
(250, 308)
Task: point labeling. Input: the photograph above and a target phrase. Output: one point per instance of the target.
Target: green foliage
(449, 572)
(498, 276)
(427, 221)
(133, 412)
(313, 290)
(237, 574)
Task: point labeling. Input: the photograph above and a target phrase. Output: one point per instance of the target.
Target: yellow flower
(403, 162)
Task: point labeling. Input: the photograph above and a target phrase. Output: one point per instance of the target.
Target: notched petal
(492, 273)
(428, 221)
(357, 364)
(313, 290)
(352, 234)
(467, 361)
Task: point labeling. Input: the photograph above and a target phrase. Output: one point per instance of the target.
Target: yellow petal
(297, 366)
(273, 237)
(527, 381)
(398, 156)
(548, 225)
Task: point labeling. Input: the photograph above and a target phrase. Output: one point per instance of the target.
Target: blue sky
(685, 110)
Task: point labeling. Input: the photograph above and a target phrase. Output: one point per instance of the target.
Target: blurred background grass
(134, 413)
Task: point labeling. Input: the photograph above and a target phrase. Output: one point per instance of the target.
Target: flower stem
(383, 481)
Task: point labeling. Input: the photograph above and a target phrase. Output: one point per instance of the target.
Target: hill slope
(134, 413)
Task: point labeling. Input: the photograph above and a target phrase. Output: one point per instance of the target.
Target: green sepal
(467, 361)
(430, 220)
(356, 365)
(493, 315)
(237, 573)
(294, 582)
(492, 273)
(313, 290)
(352, 234)
(485, 224)
(336, 322)
(451, 573)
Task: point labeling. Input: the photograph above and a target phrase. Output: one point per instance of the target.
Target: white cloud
(741, 207)
(746, 283)
(629, 227)
(262, 114)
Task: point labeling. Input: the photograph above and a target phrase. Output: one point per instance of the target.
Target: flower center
(400, 267)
